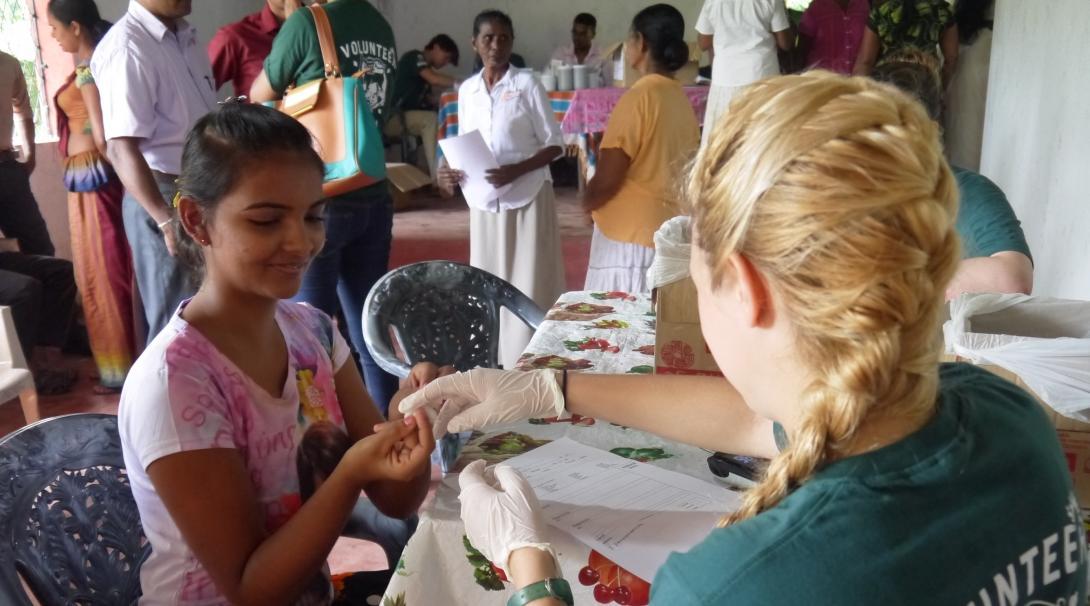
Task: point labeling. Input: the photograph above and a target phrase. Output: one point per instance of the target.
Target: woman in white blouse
(741, 37)
(514, 235)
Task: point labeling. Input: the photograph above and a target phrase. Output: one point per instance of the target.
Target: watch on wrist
(549, 588)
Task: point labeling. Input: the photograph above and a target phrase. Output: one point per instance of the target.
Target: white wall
(540, 25)
(1037, 135)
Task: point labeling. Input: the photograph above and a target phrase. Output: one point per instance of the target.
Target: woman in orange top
(651, 135)
(99, 247)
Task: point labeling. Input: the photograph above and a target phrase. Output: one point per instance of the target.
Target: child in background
(213, 412)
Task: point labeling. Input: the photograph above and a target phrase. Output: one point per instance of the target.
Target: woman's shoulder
(305, 317)
(524, 79)
(84, 75)
(470, 84)
(178, 360)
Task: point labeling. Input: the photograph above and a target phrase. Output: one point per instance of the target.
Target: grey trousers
(162, 281)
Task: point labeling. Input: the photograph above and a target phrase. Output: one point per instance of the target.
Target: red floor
(434, 228)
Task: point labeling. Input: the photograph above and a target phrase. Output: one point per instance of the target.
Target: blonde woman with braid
(824, 238)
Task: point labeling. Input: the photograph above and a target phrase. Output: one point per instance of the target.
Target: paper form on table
(633, 513)
(471, 155)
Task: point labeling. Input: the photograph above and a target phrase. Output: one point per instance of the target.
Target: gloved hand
(501, 512)
(484, 396)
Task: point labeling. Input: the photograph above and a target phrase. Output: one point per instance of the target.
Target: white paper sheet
(471, 155)
(633, 513)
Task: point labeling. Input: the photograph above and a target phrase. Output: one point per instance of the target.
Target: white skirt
(719, 98)
(617, 265)
(523, 247)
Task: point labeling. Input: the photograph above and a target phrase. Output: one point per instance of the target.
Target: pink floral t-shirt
(183, 394)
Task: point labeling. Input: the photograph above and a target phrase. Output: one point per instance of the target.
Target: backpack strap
(330, 61)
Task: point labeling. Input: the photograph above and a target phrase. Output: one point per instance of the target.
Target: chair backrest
(11, 352)
(68, 521)
(442, 312)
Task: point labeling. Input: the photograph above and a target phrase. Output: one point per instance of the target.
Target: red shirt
(835, 34)
(237, 51)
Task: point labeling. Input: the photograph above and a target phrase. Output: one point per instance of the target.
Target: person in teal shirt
(415, 98)
(823, 240)
(995, 255)
(359, 224)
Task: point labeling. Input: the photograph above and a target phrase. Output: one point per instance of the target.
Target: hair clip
(177, 196)
(238, 99)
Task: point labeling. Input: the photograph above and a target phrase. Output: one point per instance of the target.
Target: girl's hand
(398, 451)
(500, 511)
(449, 178)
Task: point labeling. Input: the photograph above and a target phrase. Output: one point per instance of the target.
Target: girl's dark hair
(971, 16)
(663, 30)
(320, 451)
(492, 16)
(222, 145)
(84, 12)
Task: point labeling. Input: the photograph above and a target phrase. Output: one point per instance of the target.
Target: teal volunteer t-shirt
(986, 222)
(411, 90)
(974, 509)
(364, 41)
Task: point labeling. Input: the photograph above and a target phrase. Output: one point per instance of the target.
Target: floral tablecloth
(584, 331)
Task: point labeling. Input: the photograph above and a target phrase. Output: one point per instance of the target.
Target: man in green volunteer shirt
(995, 255)
(359, 223)
(414, 100)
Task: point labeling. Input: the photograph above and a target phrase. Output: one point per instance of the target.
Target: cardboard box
(680, 348)
(403, 180)
(624, 76)
(1074, 435)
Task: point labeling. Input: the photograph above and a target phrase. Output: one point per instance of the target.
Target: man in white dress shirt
(155, 82)
(582, 50)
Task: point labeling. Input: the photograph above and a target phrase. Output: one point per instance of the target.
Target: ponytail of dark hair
(84, 12)
(221, 146)
(663, 30)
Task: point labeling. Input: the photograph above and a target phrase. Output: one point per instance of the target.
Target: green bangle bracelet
(549, 588)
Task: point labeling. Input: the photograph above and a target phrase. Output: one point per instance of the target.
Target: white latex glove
(501, 512)
(483, 397)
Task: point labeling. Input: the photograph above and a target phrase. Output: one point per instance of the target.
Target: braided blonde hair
(835, 189)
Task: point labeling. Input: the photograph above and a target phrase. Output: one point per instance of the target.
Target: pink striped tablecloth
(590, 108)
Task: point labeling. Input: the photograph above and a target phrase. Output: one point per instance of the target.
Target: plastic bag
(671, 253)
(1046, 342)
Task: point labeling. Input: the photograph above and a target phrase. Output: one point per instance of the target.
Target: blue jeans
(162, 281)
(369, 524)
(358, 232)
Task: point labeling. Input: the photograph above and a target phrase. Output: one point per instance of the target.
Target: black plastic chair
(442, 312)
(68, 521)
